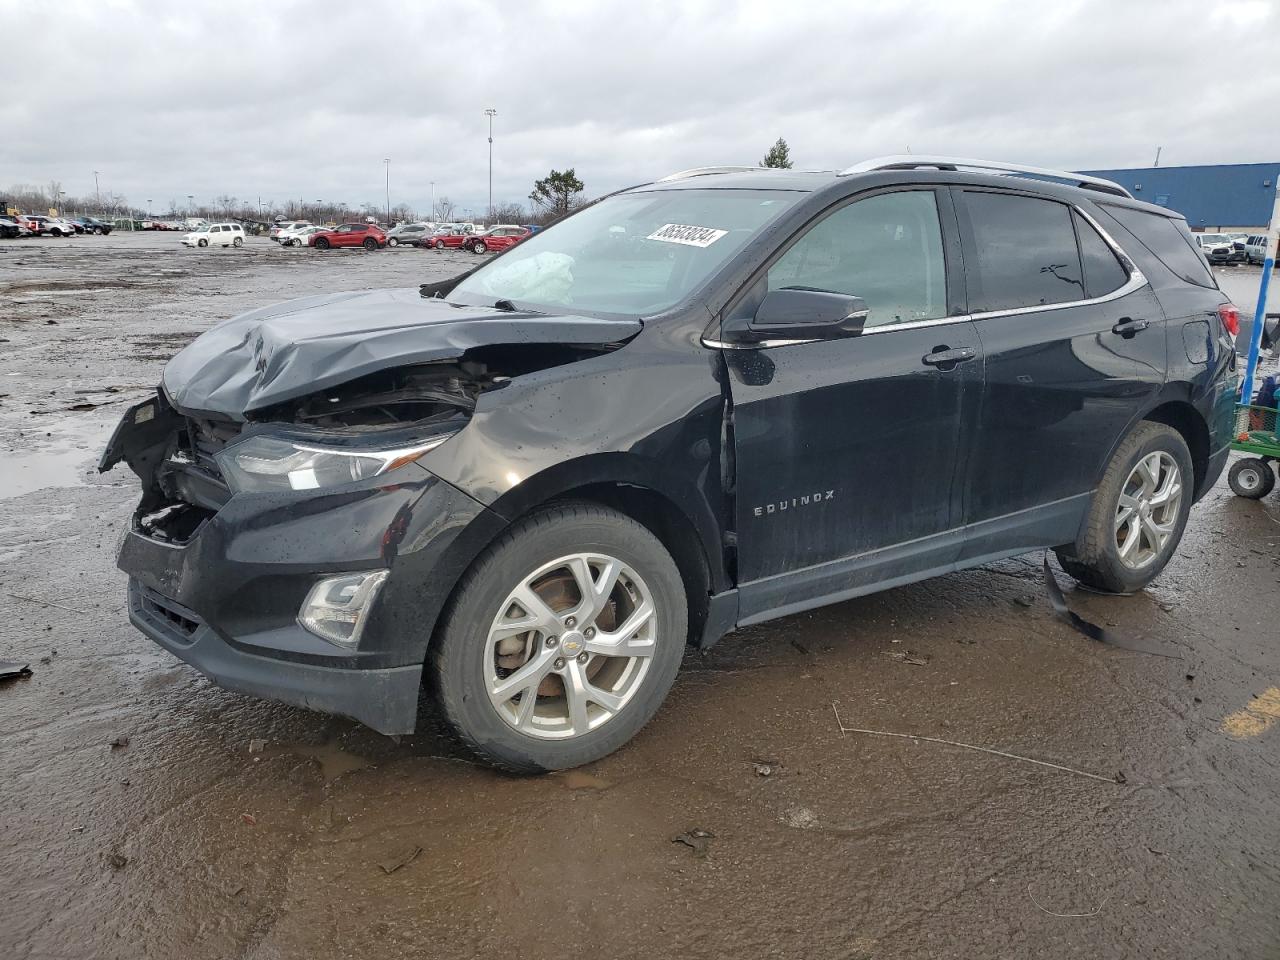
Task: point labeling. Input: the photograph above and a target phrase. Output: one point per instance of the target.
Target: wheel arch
(679, 518)
(1183, 417)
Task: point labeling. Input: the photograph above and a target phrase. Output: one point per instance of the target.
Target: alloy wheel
(1147, 511)
(570, 646)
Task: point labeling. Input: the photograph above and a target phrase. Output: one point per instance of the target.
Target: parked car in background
(497, 238)
(1255, 248)
(286, 226)
(366, 235)
(1219, 248)
(11, 229)
(28, 222)
(450, 236)
(409, 233)
(194, 223)
(216, 235)
(60, 227)
(93, 225)
(298, 236)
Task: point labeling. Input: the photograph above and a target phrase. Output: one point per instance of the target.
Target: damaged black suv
(701, 403)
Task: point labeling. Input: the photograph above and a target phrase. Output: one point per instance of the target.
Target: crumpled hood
(292, 349)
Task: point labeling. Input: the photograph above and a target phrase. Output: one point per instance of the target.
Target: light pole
(432, 214)
(191, 204)
(490, 113)
(387, 161)
(319, 215)
(97, 196)
(61, 202)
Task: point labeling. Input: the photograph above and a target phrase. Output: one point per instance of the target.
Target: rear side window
(1103, 272)
(1026, 252)
(886, 249)
(1168, 240)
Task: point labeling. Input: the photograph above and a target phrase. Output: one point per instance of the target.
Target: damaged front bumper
(221, 585)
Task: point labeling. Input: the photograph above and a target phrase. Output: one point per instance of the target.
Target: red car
(451, 240)
(349, 235)
(497, 238)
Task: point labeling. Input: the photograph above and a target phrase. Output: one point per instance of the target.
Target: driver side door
(850, 451)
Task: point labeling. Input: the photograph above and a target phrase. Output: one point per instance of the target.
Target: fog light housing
(337, 607)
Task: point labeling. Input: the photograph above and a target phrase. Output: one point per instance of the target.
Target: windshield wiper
(505, 305)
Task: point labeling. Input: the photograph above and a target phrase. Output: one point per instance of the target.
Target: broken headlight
(265, 463)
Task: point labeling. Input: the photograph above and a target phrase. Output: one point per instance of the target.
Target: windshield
(1214, 238)
(635, 253)
(203, 228)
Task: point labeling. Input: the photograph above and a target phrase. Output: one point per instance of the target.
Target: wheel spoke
(1131, 538)
(623, 642)
(595, 591)
(526, 678)
(543, 617)
(1150, 480)
(576, 696)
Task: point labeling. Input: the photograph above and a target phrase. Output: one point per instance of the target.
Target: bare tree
(444, 211)
(509, 213)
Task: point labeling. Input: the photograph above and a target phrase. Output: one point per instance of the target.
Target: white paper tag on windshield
(688, 235)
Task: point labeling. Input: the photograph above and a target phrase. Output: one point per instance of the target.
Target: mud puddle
(63, 454)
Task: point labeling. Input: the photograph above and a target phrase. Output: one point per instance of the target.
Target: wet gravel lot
(142, 817)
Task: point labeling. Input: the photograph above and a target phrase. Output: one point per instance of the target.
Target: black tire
(322, 243)
(370, 243)
(1251, 478)
(1094, 559)
(439, 244)
(456, 661)
(202, 242)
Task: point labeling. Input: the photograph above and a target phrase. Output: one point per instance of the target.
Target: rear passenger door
(1074, 342)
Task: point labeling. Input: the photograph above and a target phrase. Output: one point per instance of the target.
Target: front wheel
(322, 243)
(562, 641)
(393, 242)
(1137, 515)
(1251, 478)
(203, 243)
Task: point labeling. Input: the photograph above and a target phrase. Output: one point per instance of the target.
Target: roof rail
(910, 161)
(706, 171)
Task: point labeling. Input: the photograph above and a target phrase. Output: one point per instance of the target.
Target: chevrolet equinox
(705, 402)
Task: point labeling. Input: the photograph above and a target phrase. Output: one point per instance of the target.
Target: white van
(1255, 248)
(216, 234)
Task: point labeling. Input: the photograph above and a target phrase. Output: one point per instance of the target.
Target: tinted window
(214, 229)
(1025, 250)
(1167, 239)
(1103, 271)
(885, 249)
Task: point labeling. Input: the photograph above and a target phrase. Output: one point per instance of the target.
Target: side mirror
(798, 313)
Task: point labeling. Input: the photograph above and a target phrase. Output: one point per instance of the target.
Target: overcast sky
(286, 99)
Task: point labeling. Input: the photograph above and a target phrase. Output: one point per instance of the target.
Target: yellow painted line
(1261, 712)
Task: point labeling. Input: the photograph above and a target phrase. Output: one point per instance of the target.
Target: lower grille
(172, 618)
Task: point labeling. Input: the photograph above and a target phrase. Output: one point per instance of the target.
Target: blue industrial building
(1220, 197)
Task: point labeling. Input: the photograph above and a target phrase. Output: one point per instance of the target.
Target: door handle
(944, 358)
(1128, 328)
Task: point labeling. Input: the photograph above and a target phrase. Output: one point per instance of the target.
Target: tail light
(1229, 313)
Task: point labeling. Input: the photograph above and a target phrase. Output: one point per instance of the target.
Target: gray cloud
(294, 99)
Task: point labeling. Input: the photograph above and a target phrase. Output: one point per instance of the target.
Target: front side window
(1026, 253)
(634, 253)
(886, 249)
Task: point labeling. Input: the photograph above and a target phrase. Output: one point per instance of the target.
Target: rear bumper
(385, 699)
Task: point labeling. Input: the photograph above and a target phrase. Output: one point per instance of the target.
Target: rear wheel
(370, 243)
(562, 641)
(238, 242)
(1251, 478)
(1137, 515)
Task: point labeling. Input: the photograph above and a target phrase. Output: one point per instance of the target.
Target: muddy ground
(137, 822)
